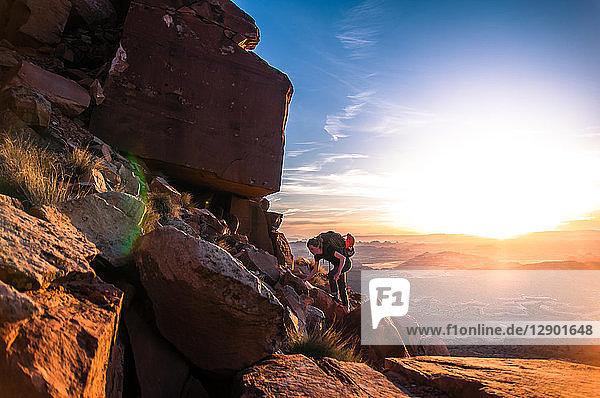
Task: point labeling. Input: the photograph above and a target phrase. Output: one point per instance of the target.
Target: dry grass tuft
(150, 220)
(163, 205)
(328, 343)
(187, 201)
(80, 161)
(32, 174)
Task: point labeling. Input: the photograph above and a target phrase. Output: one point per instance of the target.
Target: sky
(470, 117)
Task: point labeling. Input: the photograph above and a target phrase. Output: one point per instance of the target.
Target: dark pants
(340, 284)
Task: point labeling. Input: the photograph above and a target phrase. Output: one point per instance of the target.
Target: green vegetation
(329, 343)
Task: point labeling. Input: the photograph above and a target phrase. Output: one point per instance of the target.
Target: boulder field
(138, 256)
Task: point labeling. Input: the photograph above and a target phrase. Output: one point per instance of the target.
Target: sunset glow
(500, 170)
(434, 117)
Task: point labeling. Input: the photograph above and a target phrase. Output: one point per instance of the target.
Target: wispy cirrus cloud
(337, 125)
(297, 152)
(388, 118)
(377, 116)
(360, 28)
(325, 158)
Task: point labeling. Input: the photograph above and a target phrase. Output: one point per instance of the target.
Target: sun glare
(501, 171)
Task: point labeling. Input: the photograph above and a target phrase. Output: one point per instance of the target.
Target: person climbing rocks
(332, 247)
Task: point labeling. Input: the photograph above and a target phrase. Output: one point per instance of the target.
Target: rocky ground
(138, 255)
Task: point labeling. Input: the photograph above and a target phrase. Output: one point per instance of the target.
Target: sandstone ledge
(500, 377)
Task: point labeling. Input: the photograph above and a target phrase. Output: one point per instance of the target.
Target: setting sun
(501, 169)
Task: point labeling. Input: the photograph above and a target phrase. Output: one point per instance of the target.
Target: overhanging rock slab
(194, 103)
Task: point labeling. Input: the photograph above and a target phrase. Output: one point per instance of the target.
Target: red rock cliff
(186, 95)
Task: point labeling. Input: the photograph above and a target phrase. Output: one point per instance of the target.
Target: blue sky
(436, 116)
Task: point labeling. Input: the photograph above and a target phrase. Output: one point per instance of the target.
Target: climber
(332, 247)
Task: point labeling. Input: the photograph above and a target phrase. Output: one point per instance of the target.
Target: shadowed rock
(65, 94)
(169, 378)
(206, 303)
(253, 222)
(35, 22)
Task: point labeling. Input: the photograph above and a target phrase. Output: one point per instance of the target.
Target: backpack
(340, 244)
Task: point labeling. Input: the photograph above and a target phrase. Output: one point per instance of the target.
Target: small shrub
(329, 343)
(31, 173)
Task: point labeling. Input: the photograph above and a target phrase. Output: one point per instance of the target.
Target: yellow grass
(31, 174)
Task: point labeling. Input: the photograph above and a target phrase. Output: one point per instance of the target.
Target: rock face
(29, 106)
(15, 306)
(205, 224)
(64, 351)
(253, 222)
(68, 96)
(110, 220)
(159, 185)
(198, 291)
(258, 260)
(34, 22)
(495, 377)
(34, 252)
(374, 354)
(299, 376)
(281, 248)
(214, 113)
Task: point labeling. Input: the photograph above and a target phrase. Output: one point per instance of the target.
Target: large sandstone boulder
(206, 303)
(64, 351)
(35, 252)
(500, 377)
(212, 113)
(111, 220)
(299, 376)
